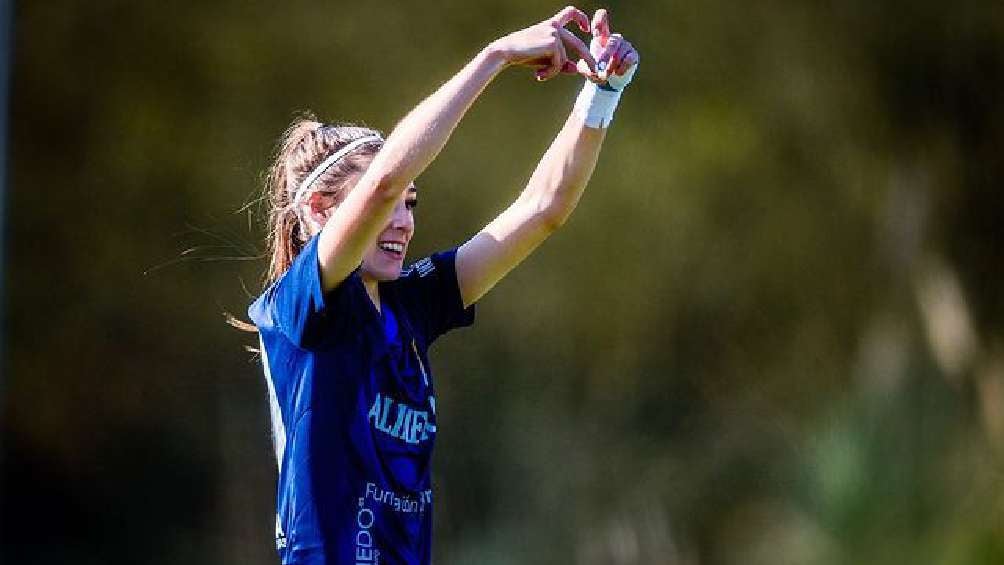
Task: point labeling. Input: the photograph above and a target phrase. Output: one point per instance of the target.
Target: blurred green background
(772, 333)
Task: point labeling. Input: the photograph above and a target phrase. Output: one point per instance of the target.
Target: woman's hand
(613, 54)
(545, 46)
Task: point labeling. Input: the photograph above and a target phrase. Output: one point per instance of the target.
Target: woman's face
(384, 259)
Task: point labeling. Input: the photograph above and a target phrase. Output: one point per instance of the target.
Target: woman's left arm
(554, 188)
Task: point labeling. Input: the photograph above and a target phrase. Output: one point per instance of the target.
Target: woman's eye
(411, 204)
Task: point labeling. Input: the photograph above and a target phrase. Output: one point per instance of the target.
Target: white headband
(327, 163)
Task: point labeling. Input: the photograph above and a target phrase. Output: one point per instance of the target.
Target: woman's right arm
(421, 135)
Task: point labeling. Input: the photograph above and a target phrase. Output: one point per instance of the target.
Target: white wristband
(597, 105)
(597, 102)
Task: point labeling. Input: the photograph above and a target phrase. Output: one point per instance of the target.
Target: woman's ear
(321, 206)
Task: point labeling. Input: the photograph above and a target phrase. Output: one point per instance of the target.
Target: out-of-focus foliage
(773, 331)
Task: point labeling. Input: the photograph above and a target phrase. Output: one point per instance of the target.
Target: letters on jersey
(353, 409)
(407, 423)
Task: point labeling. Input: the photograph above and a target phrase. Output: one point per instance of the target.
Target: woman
(345, 332)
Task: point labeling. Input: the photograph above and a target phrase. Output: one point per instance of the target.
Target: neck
(373, 290)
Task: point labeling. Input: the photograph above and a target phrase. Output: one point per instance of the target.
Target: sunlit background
(772, 332)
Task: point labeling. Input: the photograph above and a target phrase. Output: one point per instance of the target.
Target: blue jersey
(354, 409)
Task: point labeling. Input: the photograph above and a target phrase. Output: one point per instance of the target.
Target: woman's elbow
(548, 212)
(553, 217)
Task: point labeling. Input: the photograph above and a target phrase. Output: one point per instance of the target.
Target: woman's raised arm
(561, 175)
(420, 136)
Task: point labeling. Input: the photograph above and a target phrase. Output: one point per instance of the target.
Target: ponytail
(284, 238)
(304, 145)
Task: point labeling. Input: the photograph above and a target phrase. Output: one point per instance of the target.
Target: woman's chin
(383, 273)
(390, 276)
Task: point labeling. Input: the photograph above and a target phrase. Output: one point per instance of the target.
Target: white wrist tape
(597, 102)
(597, 105)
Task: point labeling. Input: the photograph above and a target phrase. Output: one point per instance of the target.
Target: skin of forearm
(562, 174)
(542, 207)
(409, 149)
(421, 135)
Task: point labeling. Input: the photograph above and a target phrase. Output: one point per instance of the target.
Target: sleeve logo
(423, 266)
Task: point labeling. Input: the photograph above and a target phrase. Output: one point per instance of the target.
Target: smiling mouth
(392, 247)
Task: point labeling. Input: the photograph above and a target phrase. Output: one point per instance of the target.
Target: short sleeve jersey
(354, 409)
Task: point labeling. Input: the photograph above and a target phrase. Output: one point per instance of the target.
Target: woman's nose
(402, 218)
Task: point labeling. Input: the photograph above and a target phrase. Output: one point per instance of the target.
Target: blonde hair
(304, 145)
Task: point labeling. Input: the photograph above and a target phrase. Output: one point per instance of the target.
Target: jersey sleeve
(431, 294)
(297, 306)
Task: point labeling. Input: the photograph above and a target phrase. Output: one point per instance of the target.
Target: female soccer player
(345, 332)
